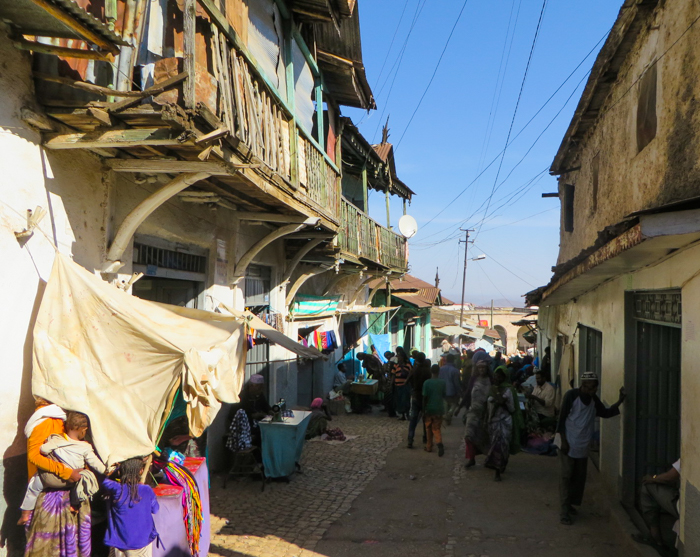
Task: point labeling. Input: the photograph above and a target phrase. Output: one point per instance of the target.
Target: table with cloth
(282, 443)
(169, 521)
(367, 387)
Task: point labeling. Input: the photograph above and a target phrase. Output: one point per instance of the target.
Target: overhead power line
(515, 111)
(544, 105)
(432, 77)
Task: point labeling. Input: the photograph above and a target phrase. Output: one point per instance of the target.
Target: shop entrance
(652, 379)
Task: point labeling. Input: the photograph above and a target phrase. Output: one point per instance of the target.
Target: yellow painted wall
(603, 309)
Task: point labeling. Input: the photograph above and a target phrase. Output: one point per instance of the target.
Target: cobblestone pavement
(373, 497)
(289, 519)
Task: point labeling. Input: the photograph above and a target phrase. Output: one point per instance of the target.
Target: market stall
(126, 362)
(282, 443)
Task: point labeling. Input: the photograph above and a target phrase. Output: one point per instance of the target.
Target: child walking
(434, 390)
(68, 449)
(130, 526)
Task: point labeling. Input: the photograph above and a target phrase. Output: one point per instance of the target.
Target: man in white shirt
(579, 409)
(542, 397)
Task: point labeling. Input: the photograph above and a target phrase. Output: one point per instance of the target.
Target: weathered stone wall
(668, 168)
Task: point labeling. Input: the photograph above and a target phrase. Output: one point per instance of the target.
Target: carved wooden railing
(258, 115)
(364, 237)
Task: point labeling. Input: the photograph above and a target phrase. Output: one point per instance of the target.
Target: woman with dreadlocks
(130, 526)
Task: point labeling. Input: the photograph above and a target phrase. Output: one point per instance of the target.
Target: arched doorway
(522, 343)
(504, 337)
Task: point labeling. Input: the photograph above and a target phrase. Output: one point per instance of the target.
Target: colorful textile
(191, 503)
(55, 531)
(239, 437)
(129, 523)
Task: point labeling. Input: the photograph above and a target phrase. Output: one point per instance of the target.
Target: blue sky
(462, 125)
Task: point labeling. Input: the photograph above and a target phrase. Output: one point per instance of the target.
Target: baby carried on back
(71, 450)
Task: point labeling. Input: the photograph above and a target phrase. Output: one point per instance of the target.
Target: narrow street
(372, 495)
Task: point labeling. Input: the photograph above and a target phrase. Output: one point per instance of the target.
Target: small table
(282, 443)
(369, 387)
(168, 519)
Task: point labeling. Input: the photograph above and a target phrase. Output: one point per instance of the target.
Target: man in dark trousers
(579, 409)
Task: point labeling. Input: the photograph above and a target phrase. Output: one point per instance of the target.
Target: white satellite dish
(408, 226)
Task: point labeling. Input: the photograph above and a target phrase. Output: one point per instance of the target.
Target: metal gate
(657, 318)
(257, 299)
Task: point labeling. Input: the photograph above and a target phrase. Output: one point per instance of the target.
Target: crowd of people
(509, 405)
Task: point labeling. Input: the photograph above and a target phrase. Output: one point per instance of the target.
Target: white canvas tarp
(119, 359)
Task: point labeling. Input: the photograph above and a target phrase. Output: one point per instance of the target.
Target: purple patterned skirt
(55, 531)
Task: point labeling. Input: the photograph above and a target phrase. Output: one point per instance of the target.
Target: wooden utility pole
(492, 314)
(464, 273)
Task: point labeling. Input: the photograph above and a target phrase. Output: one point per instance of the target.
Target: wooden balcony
(217, 106)
(364, 238)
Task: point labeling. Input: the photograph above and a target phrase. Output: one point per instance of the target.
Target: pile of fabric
(191, 502)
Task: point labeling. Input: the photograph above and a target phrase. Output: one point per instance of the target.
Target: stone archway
(522, 343)
(504, 337)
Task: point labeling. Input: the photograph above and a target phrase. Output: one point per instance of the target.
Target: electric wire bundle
(191, 502)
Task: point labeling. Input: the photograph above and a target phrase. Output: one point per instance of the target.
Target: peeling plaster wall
(69, 186)
(668, 168)
(604, 309)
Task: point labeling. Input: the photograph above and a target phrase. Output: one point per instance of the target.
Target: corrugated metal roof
(413, 299)
(386, 153)
(32, 19)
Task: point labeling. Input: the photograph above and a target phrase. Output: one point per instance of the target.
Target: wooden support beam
(152, 90)
(248, 257)
(306, 275)
(24, 44)
(361, 288)
(311, 235)
(274, 217)
(139, 214)
(298, 257)
(101, 115)
(174, 166)
(135, 137)
(37, 120)
(189, 33)
(85, 86)
(374, 291)
(211, 136)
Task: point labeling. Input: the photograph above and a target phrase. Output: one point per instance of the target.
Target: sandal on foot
(566, 520)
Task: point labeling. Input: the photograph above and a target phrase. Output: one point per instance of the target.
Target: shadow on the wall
(15, 458)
